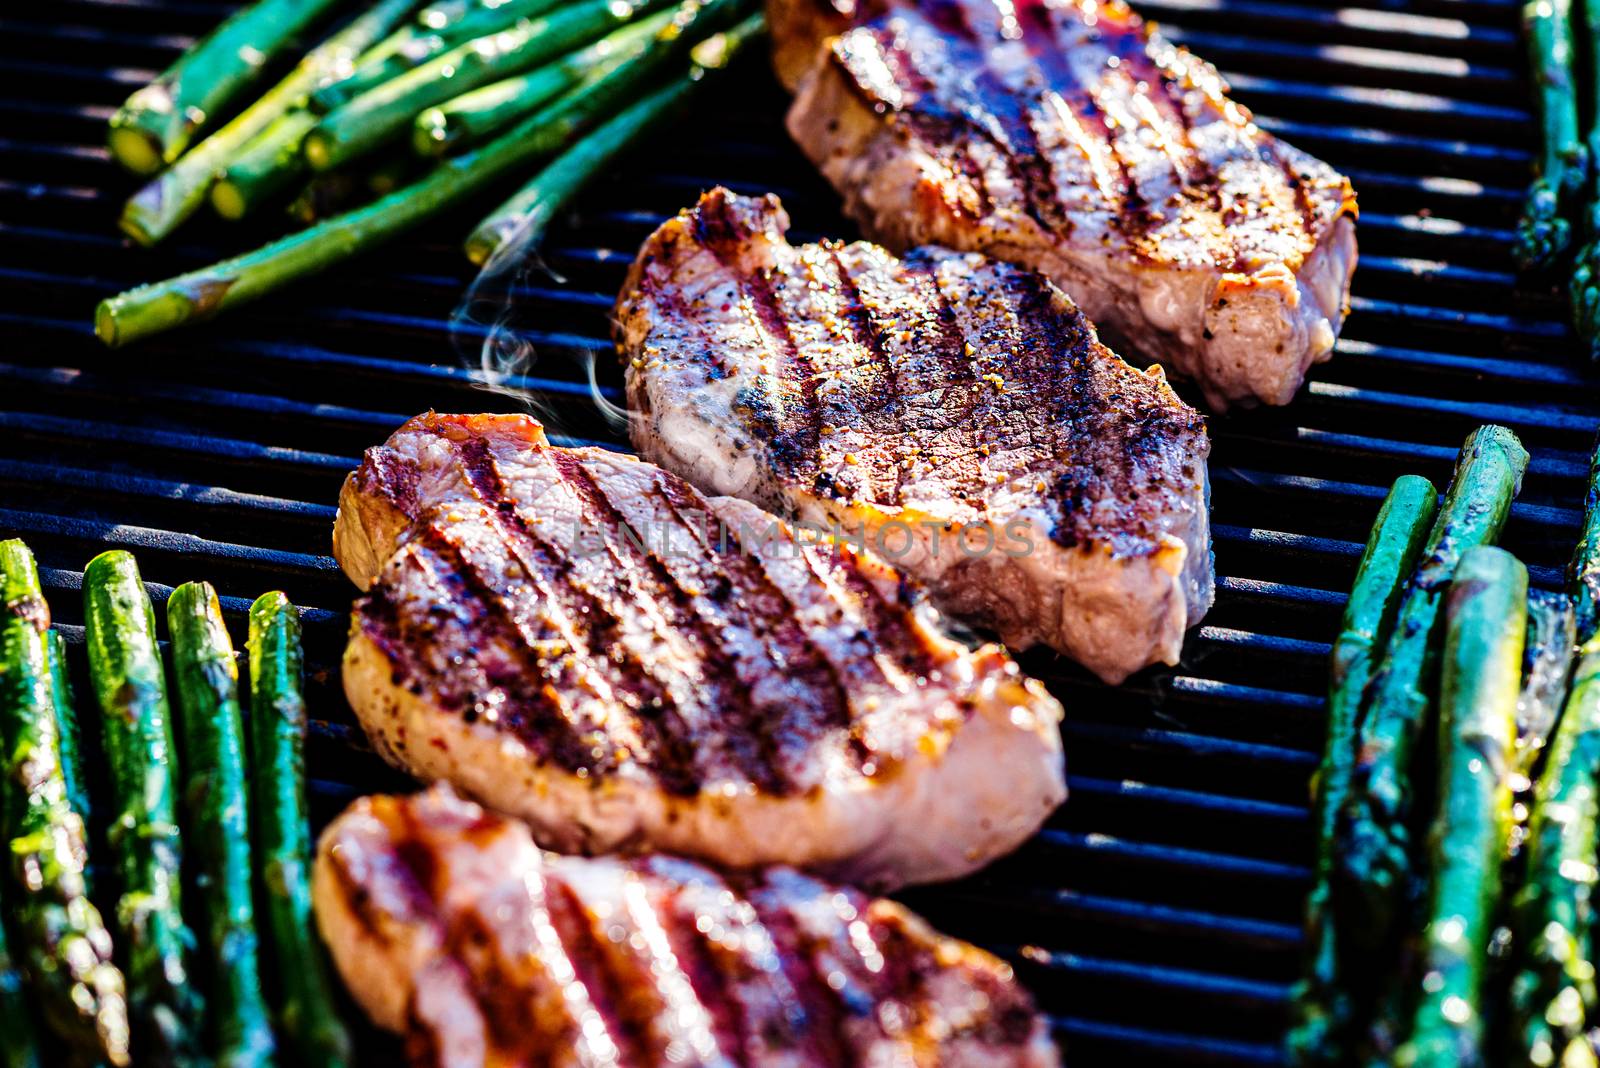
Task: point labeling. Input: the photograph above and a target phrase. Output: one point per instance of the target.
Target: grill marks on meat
(957, 413)
(450, 926)
(1065, 135)
(587, 641)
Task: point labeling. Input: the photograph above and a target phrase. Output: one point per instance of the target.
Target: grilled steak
(450, 926)
(956, 413)
(1067, 136)
(581, 639)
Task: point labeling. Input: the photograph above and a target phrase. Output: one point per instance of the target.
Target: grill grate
(1157, 914)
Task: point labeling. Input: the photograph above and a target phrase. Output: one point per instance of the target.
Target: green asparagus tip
(136, 149)
(1542, 234)
(227, 202)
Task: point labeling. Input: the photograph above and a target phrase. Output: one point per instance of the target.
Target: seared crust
(583, 640)
(451, 927)
(957, 412)
(1070, 137)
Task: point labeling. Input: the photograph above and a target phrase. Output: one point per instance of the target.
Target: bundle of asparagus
(478, 88)
(54, 951)
(1440, 1007)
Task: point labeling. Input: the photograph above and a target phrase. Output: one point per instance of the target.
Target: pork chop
(581, 639)
(451, 927)
(956, 413)
(1068, 136)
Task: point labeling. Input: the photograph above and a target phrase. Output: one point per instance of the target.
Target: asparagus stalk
(1375, 864)
(157, 209)
(1322, 1013)
(125, 667)
(158, 121)
(278, 727)
(265, 167)
(1583, 574)
(64, 947)
(1547, 662)
(380, 114)
(1485, 624)
(1553, 993)
(391, 57)
(69, 741)
(473, 116)
(201, 294)
(1584, 289)
(1543, 232)
(217, 799)
(519, 224)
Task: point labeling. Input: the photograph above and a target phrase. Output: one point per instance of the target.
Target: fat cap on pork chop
(1068, 136)
(451, 927)
(583, 640)
(956, 412)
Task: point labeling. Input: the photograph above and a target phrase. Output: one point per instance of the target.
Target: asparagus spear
(519, 224)
(69, 741)
(438, 27)
(1583, 575)
(156, 124)
(265, 167)
(1322, 1013)
(1547, 662)
(1553, 993)
(125, 667)
(380, 114)
(278, 727)
(1375, 865)
(1543, 232)
(475, 115)
(1584, 290)
(157, 209)
(64, 947)
(1481, 664)
(217, 799)
(201, 294)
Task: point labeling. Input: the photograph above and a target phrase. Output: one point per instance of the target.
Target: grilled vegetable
(1583, 575)
(384, 112)
(1485, 621)
(327, 195)
(1322, 1010)
(439, 27)
(157, 209)
(1375, 855)
(157, 123)
(278, 727)
(68, 741)
(1547, 663)
(265, 167)
(200, 294)
(474, 116)
(1553, 994)
(1543, 232)
(62, 944)
(1584, 290)
(216, 799)
(125, 667)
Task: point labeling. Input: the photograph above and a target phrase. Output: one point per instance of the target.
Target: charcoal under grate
(1156, 917)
